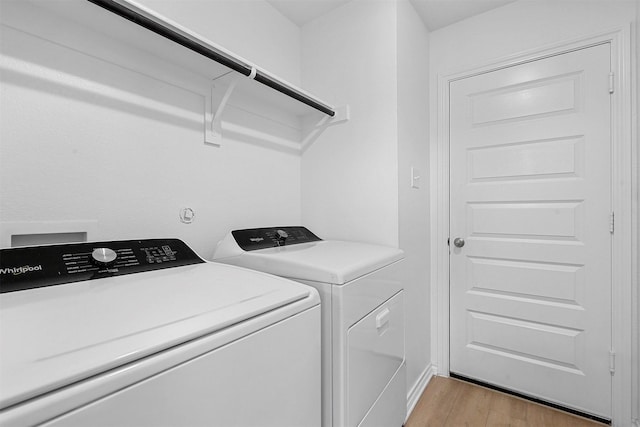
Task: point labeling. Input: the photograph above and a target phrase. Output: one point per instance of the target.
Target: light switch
(415, 177)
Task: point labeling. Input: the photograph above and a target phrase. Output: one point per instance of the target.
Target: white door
(531, 197)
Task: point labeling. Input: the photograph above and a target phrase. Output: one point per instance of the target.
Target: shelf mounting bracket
(343, 114)
(215, 105)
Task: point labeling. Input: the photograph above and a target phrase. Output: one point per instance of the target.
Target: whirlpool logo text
(20, 270)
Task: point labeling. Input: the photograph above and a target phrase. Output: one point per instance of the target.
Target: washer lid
(327, 261)
(54, 336)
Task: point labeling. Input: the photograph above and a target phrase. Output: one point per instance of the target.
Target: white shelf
(135, 35)
(195, 54)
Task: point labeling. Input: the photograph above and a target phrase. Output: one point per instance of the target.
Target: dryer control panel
(252, 239)
(40, 266)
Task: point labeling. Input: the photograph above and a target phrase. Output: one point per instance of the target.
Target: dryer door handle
(382, 318)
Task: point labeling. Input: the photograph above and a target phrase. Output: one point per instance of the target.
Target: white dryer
(162, 338)
(363, 356)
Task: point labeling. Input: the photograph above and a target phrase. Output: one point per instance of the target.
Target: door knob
(458, 242)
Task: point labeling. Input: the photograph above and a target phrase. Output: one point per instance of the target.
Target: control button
(103, 257)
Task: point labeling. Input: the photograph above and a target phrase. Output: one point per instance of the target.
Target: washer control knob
(281, 235)
(103, 257)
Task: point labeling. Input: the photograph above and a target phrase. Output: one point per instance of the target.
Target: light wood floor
(447, 402)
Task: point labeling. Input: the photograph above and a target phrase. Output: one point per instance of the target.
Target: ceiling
(434, 13)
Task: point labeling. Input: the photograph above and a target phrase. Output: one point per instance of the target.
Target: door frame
(624, 184)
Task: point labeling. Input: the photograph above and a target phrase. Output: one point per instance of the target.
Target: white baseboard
(414, 395)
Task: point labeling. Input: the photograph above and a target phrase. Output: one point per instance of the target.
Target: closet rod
(210, 52)
(267, 80)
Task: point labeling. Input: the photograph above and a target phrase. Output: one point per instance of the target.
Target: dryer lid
(54, 336)
(326, 261)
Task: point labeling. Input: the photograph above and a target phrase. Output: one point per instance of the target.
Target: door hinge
(612, 222)
(612, 362)
(448, 239)
(611, 83)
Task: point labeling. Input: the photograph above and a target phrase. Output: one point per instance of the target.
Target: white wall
(516, 28)
(355, 177)
(350, 174)
(413, 151)
(103, 133)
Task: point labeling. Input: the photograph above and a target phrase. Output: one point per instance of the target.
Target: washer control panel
(40, 266)
(252, 239)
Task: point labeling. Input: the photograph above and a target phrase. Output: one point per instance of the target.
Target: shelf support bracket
(343, 114)
(215, 105)
(213, 113)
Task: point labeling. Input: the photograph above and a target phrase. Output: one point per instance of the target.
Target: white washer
(363, 357)
(181, 343)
